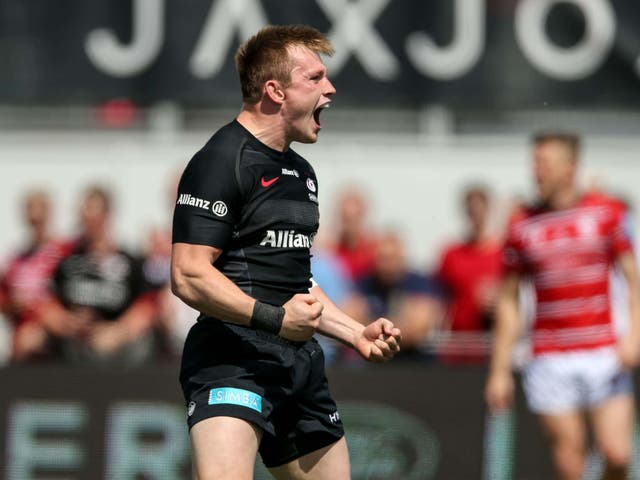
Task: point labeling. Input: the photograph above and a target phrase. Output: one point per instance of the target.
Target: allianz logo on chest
(286, 239)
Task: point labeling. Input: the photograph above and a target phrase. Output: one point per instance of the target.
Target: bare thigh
(567, 435)
(224, 448)
(612, 423)
(328, 463)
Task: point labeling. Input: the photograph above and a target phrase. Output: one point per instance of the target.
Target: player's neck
(99, 243)
(565, 198)
(265, 126)
(39, 237)
(480, 236)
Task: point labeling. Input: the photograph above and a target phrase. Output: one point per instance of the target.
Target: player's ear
(274, 91)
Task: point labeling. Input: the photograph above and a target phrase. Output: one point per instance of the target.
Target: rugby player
(580, 371)
(247, 210)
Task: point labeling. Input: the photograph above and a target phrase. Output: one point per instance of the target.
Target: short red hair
(265, 56)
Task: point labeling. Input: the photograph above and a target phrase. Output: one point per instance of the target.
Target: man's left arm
(377, 342)
(629, 347)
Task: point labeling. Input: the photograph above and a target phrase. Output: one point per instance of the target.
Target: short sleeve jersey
(107, 284)
(258, 205)
(568, 255)
(469, 271)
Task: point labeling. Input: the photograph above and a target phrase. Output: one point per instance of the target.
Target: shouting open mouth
(318, 110)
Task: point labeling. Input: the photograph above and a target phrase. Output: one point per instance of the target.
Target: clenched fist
(301, 318)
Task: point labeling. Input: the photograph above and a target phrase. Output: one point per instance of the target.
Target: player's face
(553, 168)
(37, 212)
(93, 216)
(477, 210)
(308, 92)
(352, 212)
(390, 259)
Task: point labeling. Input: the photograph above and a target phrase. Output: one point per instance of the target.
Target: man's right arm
(200, 285)
(500, 386)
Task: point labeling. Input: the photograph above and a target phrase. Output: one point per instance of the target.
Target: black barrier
(473, 54)
(403, 422)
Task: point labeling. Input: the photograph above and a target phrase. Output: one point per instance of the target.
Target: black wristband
(267, 317)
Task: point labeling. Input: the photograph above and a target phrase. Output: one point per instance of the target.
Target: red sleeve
(622, 231)
(5, 290)
(512, 256)
(4, 293)
(444, 268)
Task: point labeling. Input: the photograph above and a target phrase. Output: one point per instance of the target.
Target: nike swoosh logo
(267, 183)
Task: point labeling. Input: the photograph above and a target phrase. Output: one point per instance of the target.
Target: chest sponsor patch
(235, 396)
(286, 239)
(188, 199)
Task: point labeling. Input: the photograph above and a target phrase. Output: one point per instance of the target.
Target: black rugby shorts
(280, 386)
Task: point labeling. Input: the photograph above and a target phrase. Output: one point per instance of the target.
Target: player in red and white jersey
(568, 255)
(470, 272)
(566, 245)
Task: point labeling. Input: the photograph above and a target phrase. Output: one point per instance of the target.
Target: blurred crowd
(87, 300)
(445, 313)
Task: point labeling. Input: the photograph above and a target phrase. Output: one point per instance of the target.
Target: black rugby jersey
(107, 284)
(258, 205)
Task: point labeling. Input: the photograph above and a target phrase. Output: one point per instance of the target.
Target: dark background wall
(505, 54)
(409, 422)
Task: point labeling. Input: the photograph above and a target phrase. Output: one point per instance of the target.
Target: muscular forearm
(630, 272)
(627, 264)
(52, 315)
(334, 323)
(634, 311)
(200, 285)
(210, 292)
(505, 334)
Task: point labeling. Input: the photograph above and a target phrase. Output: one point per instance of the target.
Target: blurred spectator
(173, 317)
(355, 244)
(156, 266)
(392, 290)
(100, 312)
(470, 271)
(25, 282)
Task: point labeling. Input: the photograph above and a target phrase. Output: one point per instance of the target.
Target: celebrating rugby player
(246, 214)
